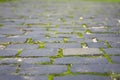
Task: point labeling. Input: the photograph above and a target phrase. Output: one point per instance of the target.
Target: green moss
(88, 31)
(1, 25)
(41, 44)
(62, 19)
(65, 40)
(60, 53)
(42, 63)
(107, 44)
(19, 52)
(80, 35)
(50, 77)
(29, 41)
(107, 56)
(84, 26)
(84, 45)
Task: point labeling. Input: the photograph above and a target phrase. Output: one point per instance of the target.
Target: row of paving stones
(59, 41)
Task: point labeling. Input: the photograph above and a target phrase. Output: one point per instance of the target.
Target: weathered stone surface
(8, 52)
(42, 69)
(39, 52)
(115, 59)
(113, 51)
(79, 60)
(22, 46)
(81, 51)
(82, 77)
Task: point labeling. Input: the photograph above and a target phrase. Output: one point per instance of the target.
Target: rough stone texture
(22, 46)
(39, 52)
(8, 52)
(82, 77)
(60, 24)
(113, 51)
(115, 59)
(42, 69)
(81, 51)
(101, 68)
(79, 60)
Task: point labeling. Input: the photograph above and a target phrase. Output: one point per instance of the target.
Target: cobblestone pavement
(42, 40)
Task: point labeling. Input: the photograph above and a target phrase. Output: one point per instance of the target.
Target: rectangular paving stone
(109, 39)
(10, 31)
(112, 51)
(8, 52)
(7, 69)
(35, 77)
(100, 68)
(115, 59)
(63, 45)
(80, 39)
(81, 51)
(34, 60)
(48, 39)
(82, 77)
(79, 60)
(42, 69)
(96, 45)
(115, 44)
(114, 68)
(22, 46)
(39, 52)
(4, 39)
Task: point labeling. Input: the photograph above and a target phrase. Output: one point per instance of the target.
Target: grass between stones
(107, 56)
(19, 52)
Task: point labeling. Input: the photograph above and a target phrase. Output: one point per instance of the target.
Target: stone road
(42, 40)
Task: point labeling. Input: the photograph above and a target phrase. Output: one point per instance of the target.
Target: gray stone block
(83, 77)
(96, 45)
(115, 59)
(42, 69)
(81, 51)
(8, 52)
(80, 60)
(39, 52)
(100, 68)
(22, 46)
(112, 51)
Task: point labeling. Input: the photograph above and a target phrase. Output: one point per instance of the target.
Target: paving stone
(4, 39)
(80, 40)
(115, 59)
(81, 51)
(109, 39)
(63, 45)
(100, 68)
(35, 77)
(13, 32)
(8, 52)
(112, 51)
(12, 77)
(114, 68)
(79, 60)
(22, 46)
(39, 52)
(48, 39)
(42, 69)
(115, 44)
(82, 77)
(34, 60)
(7, 69)
(96, 45)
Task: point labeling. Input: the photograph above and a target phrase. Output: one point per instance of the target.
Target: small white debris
(2, 46)
(81, 18)
(94, 40)
(119, 21)
(19, 60)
